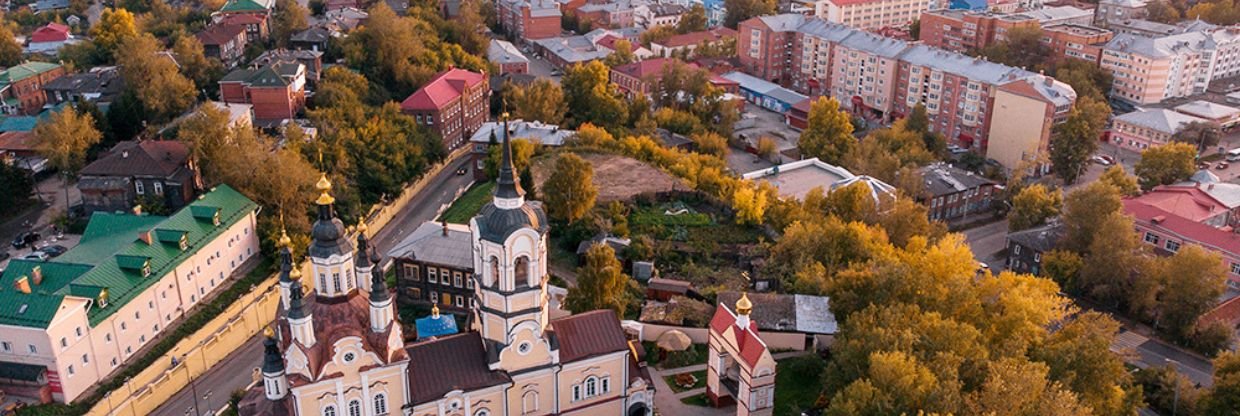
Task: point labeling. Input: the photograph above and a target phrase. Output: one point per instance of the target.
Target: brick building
(277, 90)
(21, 86)
(454, 103)
(224, 42)
(508, 57)
(529, 19)
(159, 171)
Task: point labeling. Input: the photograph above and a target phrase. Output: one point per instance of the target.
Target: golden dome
(361, 226)
(284, 240)
(295, 274)
(323, 185)
(435, 311)
(267, 332)
(744, 306)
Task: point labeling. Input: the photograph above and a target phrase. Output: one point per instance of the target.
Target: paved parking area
(67, 241)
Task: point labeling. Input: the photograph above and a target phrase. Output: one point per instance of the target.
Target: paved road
(235, 372)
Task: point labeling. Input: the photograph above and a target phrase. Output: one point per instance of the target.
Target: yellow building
(343, 353)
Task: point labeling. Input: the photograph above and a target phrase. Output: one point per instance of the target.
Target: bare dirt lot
(617, 178)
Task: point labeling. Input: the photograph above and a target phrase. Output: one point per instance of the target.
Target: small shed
(664, 289)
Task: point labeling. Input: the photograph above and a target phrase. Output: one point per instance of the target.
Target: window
(33, 350)
(411, 270)
(336, 281)
(522, 269)
(1151, 238)
(460, 301)
(71, 372)
(447, 299)
(529, 402)
(329, 411)
(1016, 249)
(85, 359)
(591, 387)
(380, 404)
(8, 347)
(432, 275)
(576, 392)
(482, 412)
(1235, 269)
(64, 343)
(456, 279)
(355, 408)
(137, 187)
(78, 330)
(159, 188)
(107, 337)
(123, 326)
(434, 296)
(1173, 246)
(606, 384)
(494, 271)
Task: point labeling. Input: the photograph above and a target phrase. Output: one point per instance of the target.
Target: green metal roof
(26, 70)
(246, 6)
(115, 272)
(106, 233)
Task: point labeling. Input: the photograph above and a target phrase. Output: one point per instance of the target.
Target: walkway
(667, 401)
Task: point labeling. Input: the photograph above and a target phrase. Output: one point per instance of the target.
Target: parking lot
(67, 241)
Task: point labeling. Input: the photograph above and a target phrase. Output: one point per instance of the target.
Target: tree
(829, 134)
(16, 186)
(1162, 12)
(710, 143)
(126, 117)
(914, 29)
(155, 78)
(1113, 257)
(591, 97)
(1062, 266)
(542, 100)
(569, 190)
(522, 151)
(1086, 78)
(1166, 164)
(750, 204)
(1122, 181)
(623, 54)
(601, 283)
(1076, 139)
(1166, 390)
(741, 10)
(657, 34)
(114, 27)
(289, 18)
(693, 21)
(1200, 134)
(1079, 357)
(767, 147)
(1022, 47)
(919, 121)
(194, 63)
(1223, 13)
(10, 50)
(402, 53)
(1033, 206)
(64, 139)
(1224, 398)
(1192, 281)
(1084, 209)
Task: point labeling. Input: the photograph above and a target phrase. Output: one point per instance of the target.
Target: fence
(775, 341)
(383, 214)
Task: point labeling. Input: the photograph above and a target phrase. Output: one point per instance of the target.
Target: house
(49, 39)
(311, 59)
(1119, 10)
(686, 43)
(953, 193)
(805, 315)
(490, 133)
(1221, 116)
(239, 115)
(21, 86)
(50, 5)
(255, 24)
(101, 85)
(508, 57)
(148, 172)
(664, 290)
(314, 39)
(70, 322)
(1166, 232)
(1191, 203)
(224, 42)
(347, 18)
(641, 77)
(1025, 248)
(434, 267)
(453, 103)
(796, 179)
(1139, 130)
(277, 91)
(764, 93)
(661, 14)
(528, 20)
(610, 14)
(248, 7)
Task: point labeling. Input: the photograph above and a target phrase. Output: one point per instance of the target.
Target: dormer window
(138, 264)
(103, 297)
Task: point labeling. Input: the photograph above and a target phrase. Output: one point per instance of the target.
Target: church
(338, 349)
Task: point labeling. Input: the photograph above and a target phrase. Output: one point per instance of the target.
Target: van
(1233, 155)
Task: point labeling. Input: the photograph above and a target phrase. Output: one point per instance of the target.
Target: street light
(1175, 402)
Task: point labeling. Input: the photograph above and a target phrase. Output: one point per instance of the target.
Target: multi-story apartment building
(1148, 70)
(1118, 10)
(529, 19)
(1023, 111)
(612, 14)
(1076, 41)
(886, 78)
(1062, 27)
(68, 323)
(871, 14)
(21, 86)
(660, 14)
(454, 104)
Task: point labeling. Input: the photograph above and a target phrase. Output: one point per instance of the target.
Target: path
(667, 401)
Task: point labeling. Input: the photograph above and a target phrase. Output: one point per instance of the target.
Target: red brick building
(224, 42)
(764, 46)
(21, 86)
(529, 19)
(277, 91)
(640, 77)
(962, 31)
(454, 104)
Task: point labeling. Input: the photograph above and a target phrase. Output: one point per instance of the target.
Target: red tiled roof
(589, 334)
(749, 342)
(1187, 202)
(454, 362)
(694, 38)
(608, 41)
(336, 319)
(1191, 231)
(220, 34)
(145, 158)
(53, 32)
(442, 89)
(1227, 312)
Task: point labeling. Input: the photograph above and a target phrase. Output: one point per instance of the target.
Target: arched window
(482, 412)
(355, 408)
(591, 386)
(529, 402)
(329, 410)
(522, 269)
(494, 272)
(380, 404)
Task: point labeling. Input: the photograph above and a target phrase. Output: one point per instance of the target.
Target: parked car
(4, 256)
(1221, 165)
(54, 250)
(1100, 160)
(25, 239)
(36, 256)
(1202, 165)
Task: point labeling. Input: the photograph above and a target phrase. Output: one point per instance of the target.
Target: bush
(1211, 338)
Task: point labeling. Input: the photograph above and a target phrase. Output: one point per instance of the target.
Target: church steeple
(286, 266)
(508, 186)
(381, 315)
(300, 318)
(275, 383)
(363, 263)
(331, 252)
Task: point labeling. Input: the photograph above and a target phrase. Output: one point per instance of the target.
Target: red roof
(748, 341)
(1190, 231)
(1187, 202)
(647, 68)
(16, 141)
(220, 34)
(694, 38)
(445, 87)
(53, 32)
(589, 334)
(608, 41)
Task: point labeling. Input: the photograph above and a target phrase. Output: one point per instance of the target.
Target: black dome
(496, 224)
(328, 238)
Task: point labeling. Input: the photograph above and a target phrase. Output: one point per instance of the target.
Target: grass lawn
(675, 359)
(696, 400)
(797, 384)
(700, 383)
(468, 205)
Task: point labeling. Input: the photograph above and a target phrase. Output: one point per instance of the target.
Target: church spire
(275, 383)
(508, 185)
(325, 199)
(381, 314)
(300, 319)
(286, 267)
(378, 286)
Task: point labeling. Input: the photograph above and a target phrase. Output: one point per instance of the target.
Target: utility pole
(1175, 401)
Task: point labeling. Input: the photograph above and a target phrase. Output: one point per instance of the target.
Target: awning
(22, 372)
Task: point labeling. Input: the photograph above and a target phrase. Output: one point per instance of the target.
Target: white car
(1100, 160)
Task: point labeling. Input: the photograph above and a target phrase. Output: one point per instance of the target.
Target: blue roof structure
(18, 123)
(436, 325)
(968, 5)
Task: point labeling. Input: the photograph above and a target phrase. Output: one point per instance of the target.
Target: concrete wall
(775, 341)
(1015, 132)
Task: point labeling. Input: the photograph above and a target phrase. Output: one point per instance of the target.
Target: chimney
(37, 273)
(1158, 219)
(145, 236)
(445, 228)
(124, 154)
(22, 284)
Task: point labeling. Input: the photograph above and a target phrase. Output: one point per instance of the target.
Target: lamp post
(1175, 401)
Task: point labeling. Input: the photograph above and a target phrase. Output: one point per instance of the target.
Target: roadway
(237, 369)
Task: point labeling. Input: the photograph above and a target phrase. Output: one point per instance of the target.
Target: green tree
(1086, 78)
(569, 190)
(16, 186)
(1167, 390)
(542, 100)
(114, 27)
(126, 117)
(289, 18)
(623, 54)
(1201, 134)
(1022, 47)
(914, 29)
(601, 283)
(1033, 206)
(1084, 210)
(1122, 181)
(741, 10)
(919, 121)
(522, 151)
(1192, 281)
(1224, 397)
(154, 77)
(1062, 266)
(591, 98)
(64, 139)
(1076, 139)
(1079, 357)
(402, 53)
(10, 50)
(750, 204)
(1166, 164)
(829, 134)
(194, 63)
(693, 21)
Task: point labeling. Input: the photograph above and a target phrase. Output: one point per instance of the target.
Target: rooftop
(1208, 110)
(944, 179)
(694, 38)
(445, 244)
(25, 70)
(764, 87)
(536, 131)
(1161, 120)
(504, 52)
(1187, 202)
(1194, 232)
(787, 313)
(442, 89)
(1043, 238)
(159, 158)
(1046, 14)
(796, 179)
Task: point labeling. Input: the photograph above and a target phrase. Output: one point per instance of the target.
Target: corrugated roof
(445, 87)
(1206, 109)
(455, 362)
(106, 233)
(25, 70)
(428, 244)
(589, 334)
(160, 158)
(943, 179)
(504, 52)
(1042, 239)
(1161, 120)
